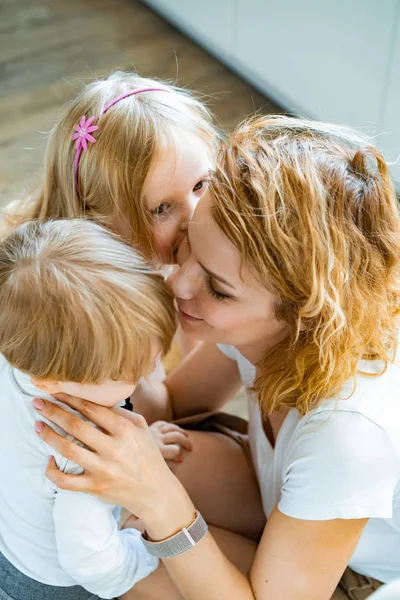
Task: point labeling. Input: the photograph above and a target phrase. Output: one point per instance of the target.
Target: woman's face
(217, 300)
(176, 181)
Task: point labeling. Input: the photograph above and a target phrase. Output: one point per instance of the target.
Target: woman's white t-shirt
(340, 461)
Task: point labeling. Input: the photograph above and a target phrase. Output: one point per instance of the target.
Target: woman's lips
(187, 316)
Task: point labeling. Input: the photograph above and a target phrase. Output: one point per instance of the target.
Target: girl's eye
(161, 209)
(214, 293)
(199, 185)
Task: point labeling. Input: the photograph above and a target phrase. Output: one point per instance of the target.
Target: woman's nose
(182, 281)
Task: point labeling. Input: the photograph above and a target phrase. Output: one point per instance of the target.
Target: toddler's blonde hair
(77, 304)
(113, 170)
(313, 213)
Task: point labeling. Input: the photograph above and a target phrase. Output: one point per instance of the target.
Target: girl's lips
(188, 317)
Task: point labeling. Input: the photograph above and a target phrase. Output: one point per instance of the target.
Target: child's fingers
(134, 523)
(130, 522)
(166, 427)
(172, 452)
(176, 437)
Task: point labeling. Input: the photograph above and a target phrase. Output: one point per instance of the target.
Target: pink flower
(83, 131)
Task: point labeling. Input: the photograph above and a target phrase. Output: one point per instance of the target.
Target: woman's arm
(203, 382)
(303, 560)
(297, 559)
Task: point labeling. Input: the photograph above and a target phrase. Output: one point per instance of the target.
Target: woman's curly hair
(312, 211)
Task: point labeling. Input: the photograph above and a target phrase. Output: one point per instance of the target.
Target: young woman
(291, 266)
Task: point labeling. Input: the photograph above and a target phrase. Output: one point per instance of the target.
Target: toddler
(81, 312)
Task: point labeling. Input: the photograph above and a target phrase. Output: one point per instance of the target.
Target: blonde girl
(131, 153)
(290, 275)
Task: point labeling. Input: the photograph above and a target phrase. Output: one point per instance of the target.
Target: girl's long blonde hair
(113, 171)
(77, 304)
(312, 210)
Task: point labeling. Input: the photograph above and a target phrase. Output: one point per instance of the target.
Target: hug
(284, 242)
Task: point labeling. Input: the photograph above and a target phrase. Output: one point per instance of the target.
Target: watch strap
(179, 543)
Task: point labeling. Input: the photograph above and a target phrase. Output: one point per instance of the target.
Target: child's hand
(133, 522)
(171, 440)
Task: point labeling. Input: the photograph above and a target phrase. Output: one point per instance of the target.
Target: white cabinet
(390, 138)
(324, 59)
(210, 22)
(334, 60)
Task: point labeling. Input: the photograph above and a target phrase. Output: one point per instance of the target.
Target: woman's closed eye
(215, 293)
(183, 255)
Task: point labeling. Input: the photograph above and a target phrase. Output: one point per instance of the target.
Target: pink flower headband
(85, 128)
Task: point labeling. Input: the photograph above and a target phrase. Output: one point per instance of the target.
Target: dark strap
(128, 405)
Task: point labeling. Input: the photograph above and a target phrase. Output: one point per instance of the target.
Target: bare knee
(219, 479)
(211, 453)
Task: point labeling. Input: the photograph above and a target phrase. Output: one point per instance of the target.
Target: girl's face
(217, 300)
(176, 181)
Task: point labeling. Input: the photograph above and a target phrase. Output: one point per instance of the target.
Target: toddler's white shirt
(52, 535)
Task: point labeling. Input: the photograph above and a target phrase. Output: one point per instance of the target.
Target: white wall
(211, 22)
(390, 139)
(336, 60)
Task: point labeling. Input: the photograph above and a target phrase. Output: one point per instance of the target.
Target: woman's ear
(50, 387)
(302, 326)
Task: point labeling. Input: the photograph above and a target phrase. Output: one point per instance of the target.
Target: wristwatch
(179, 543)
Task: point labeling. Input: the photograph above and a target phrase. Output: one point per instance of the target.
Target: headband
(85, 128)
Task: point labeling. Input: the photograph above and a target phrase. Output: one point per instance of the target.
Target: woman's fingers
(176, 437)
(72, 424)
(100, 415)
(108, 419)
(138, 420)
(70, 450)
(74, 483)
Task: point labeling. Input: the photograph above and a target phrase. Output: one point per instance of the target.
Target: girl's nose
(188, 211)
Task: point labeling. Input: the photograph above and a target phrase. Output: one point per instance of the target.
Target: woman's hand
(121, 460)
(296, 558)
(171, 440)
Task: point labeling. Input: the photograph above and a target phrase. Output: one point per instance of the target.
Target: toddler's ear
(50, 387)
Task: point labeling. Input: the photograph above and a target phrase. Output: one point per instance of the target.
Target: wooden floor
(49, 48)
